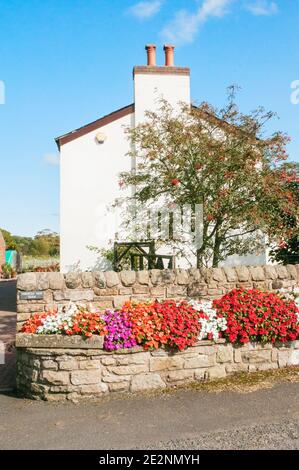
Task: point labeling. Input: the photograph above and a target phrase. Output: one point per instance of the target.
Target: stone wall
(58, 368)
(38, 292)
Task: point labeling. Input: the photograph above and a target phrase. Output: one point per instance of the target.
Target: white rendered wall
(149, 88)
(89, 180)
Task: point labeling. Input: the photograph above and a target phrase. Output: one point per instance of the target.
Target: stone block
(155, 276)
(111, 378)
(195, 275)
(119, 300)
(70, 363)
(168, 276)
(243, 273)
(182, 277)
(73, 280)
(49, 364)
(224, 353)
(196, 362)
(157, 291)
(55, 377)
(106, 293)
(27, 282)
(292, 271)
(112, 278)
(282, 272)
(217, 274)
(42, 281)
(128, 278)
(176, 291)
(119, 387)
(293, 357)
(125, 291)
(136, 358)
(89, 364)
(216, 372)
(197, 290)
(166, 363)
(270, 272)
(100, 280)
(85, 377)
(180, 375)
(108, 361)
(143, 277)
(145, 382)
(94, 389)
(87, 280)
(141, 289)
(131, 369)
(231, 274)
(256, 357)
(257, 273)
(56, 281)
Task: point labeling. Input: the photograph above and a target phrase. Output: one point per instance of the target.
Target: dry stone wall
(38, 292)
(58, 368)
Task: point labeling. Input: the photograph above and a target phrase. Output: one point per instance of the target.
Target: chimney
(169, 55)
(151, 54)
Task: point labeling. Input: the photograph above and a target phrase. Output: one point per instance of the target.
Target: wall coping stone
(27, 340)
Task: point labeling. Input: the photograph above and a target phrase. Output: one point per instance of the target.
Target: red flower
(175, 182)
(253, 315)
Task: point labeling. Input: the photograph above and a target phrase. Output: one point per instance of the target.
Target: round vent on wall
(101, 137)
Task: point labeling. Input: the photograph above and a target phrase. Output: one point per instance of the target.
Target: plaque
(34, 295)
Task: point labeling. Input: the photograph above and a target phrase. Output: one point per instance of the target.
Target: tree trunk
(216, 251)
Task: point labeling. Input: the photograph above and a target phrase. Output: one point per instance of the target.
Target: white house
(93, 156)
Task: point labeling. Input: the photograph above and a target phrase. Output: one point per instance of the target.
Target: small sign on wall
(34, 295)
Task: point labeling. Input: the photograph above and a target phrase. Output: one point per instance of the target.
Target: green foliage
(222, 160)
(7, 271)
(45, 243)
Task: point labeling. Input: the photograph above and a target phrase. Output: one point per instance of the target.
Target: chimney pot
(169, 55)
(151, 54)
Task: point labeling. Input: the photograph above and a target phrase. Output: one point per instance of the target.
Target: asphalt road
(264, 419)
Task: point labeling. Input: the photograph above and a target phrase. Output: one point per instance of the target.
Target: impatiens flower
(253, 315)
(119, 331)
(175, 182)
(212, 325)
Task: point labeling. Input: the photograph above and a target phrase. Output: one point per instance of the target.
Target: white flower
(210, 325)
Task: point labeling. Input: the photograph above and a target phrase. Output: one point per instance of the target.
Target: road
(190, 419)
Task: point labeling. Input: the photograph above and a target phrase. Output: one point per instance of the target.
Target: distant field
(30, 263)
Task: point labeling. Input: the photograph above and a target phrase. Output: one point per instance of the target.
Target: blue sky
(64, 63)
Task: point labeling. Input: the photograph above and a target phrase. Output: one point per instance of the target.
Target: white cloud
(51, 159)
(262, 8)
(184, 26)
(146, 9)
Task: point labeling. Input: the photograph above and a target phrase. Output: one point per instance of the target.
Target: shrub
(253, 315)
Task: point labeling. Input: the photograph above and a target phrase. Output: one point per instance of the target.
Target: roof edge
(103, 121)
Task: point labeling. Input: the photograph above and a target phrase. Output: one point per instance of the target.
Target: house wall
(149, 88)
(89, 183)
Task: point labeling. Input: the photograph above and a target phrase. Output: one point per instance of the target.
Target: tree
(287, 251)
(9, 239)
(219, 159)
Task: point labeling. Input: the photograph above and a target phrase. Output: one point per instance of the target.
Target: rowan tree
(223, 160)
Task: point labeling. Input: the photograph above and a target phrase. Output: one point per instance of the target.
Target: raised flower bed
(75, 352)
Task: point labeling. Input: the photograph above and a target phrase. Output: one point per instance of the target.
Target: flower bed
(241, 316)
